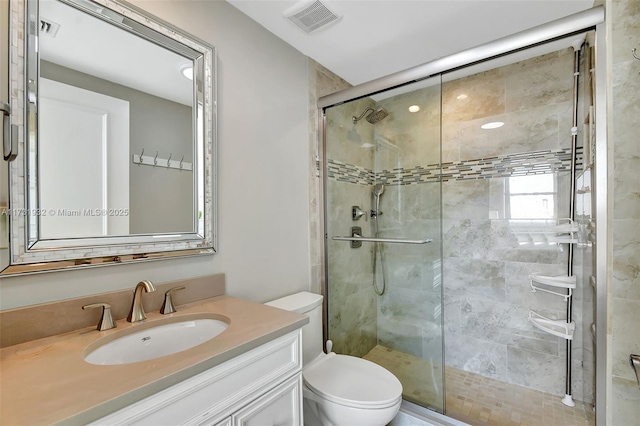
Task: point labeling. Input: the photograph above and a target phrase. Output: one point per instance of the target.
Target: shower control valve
(376, 213)
(357, 213)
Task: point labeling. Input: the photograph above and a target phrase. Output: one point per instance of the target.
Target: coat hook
(155, 159)
(141, 154)
(633, 52)
(181, 162)
(169, 161)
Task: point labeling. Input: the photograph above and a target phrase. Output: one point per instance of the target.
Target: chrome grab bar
(357, 237)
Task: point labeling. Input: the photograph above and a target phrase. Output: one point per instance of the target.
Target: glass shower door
(384, 287)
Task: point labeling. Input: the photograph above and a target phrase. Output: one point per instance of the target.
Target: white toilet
(339, 390)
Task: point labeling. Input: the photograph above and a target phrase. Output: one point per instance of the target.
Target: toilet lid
(352, 381)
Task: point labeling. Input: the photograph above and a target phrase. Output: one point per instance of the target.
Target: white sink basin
(156, 341)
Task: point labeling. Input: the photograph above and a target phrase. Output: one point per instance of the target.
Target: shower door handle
(357, 237)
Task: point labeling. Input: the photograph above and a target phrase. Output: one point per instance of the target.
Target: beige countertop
(47, 381)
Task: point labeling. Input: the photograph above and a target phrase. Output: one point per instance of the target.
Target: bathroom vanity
(250, 374)
(262, 386)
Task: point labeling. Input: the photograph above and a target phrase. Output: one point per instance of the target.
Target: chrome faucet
(137, 311)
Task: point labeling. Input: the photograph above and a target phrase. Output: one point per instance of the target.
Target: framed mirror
(117, 148)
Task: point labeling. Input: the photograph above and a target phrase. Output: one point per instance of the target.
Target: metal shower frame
(591, 19)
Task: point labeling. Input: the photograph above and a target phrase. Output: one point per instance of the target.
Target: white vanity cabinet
(280, 406)
(260, 387)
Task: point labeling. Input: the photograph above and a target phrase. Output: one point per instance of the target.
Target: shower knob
(357, 213)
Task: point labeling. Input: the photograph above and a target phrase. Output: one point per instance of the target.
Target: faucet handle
(167, 306)
(106, 322)
(357, 213)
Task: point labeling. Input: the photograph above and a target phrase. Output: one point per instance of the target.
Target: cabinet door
(282, 406)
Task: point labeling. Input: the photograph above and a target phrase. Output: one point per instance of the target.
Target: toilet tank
(311, 305)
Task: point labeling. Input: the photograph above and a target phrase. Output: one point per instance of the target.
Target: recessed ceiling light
(414, 108)
(492, 125)
(187, 71)
(462, 96)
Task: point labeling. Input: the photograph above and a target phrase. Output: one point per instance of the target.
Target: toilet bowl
(345, 390)
(340, 390)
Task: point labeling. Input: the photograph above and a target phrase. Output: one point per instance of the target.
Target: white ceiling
(378, 37)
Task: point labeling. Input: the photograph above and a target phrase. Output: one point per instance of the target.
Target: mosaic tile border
(521, 164)
(345, 172)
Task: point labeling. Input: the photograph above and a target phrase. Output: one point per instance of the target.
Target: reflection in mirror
(118, 133)
(121, 96)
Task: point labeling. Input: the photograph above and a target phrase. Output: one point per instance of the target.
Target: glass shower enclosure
(449, 203)
(384, 246)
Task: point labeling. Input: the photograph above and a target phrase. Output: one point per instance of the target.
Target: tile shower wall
(623, 34)
(409, 313)
(352, 302)
(322, 82)
(486, 286)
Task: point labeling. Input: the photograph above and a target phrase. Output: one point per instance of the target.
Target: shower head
(378, 189)
(373, 117)
(377, 115)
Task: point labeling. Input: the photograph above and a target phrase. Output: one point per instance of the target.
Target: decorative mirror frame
(34, 256)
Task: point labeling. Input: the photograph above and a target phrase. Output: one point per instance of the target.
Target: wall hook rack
(156, 161)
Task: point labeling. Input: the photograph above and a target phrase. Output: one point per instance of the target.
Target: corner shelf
(559, 328)
(561, 281)
(559, 231)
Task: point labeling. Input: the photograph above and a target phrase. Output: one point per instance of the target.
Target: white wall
(262, 170)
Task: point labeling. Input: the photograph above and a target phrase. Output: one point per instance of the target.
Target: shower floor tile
(475, 399)
(421, 380)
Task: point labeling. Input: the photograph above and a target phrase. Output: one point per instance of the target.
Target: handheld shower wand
(378, 189)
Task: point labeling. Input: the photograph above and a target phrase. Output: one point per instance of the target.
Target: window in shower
(531, 197)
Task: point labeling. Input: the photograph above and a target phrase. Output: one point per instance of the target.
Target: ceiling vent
(49, 28)
(310, 16)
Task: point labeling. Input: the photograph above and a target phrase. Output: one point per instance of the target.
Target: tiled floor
(475, 399)
(421, 379)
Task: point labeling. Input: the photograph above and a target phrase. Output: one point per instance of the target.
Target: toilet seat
(353, 382)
